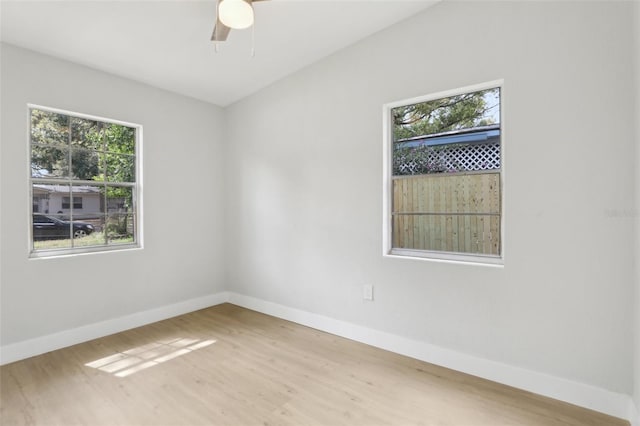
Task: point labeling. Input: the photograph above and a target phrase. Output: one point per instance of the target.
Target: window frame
(136, 189)
(387, 172)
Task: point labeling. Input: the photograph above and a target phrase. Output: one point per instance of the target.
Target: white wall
(182, 257)
(305, 198)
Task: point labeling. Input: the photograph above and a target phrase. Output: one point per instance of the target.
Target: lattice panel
(473, 157)
(448, 158)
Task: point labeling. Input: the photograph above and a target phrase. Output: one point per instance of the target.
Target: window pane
(120, 139)
(49, 199)
(40, 195)
(465, 111)
(462, 233)
(120, 228)
(87, 133)
(51, 231)
(88, 201)
(85, 164)
(120, 218)
(119, 199)
(88, 215)
(445, 172)
(49, 162)
(88, 231)
(120, 168)
(49, 128)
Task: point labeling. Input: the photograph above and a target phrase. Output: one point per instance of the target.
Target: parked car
(50, 227)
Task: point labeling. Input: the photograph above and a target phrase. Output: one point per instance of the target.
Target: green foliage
(49, 127)
(98, 151)
(51, 132)
(119, 158)
(446, 114)
(85, 164)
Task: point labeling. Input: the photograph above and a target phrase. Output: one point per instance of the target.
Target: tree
(118, 158)
(99, 151)
(446, 114)
(53, 154)
(49, 134)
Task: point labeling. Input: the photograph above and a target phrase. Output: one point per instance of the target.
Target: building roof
(64, 189)
(474, 135)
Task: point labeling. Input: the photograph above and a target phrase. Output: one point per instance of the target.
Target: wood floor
(227, 365)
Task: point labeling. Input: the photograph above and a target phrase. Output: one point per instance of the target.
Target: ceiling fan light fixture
(236, 14)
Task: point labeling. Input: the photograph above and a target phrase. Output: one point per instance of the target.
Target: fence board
(447, 212)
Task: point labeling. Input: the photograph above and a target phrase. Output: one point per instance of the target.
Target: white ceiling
(166, 43)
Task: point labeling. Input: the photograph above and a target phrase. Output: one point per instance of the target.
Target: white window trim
(387, 182)
(66, 252)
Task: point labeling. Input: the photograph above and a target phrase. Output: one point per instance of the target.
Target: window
(443, 173)
(77, 202)
(84, 184)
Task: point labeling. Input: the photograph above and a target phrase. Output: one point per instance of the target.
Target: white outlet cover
(367, 292)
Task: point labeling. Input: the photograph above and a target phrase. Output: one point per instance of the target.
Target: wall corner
(636, 363)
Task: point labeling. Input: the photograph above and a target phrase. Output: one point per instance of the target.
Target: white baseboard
(604, 401)
(583, 395)
(39, 345)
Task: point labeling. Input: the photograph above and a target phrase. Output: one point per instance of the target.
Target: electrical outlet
(367, 292)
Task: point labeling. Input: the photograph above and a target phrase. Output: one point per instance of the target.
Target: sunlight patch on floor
(131, 361)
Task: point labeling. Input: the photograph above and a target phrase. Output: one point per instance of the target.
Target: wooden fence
(447, 212)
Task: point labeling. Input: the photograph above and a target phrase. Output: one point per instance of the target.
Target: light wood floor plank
(227, 365)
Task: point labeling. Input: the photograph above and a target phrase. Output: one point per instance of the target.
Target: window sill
(58, 253)
(446, 257)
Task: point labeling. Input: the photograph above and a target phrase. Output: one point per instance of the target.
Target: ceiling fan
(232, 14)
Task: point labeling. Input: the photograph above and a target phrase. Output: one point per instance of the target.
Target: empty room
(320, 212)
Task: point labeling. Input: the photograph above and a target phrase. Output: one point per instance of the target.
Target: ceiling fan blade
(220, 32)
